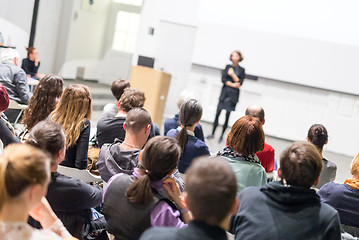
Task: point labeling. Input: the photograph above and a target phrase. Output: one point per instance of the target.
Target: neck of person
(355, 177)
(132, 142)
(121, 113)
(190, 128)
(14, 210)
(320, 150)
(53, 168)
(235, 64)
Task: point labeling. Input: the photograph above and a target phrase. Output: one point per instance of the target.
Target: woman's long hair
(44, 100)
(71, 111)
(190, 113)
(159, 158)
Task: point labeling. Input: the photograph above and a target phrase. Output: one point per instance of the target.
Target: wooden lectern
(155, 85)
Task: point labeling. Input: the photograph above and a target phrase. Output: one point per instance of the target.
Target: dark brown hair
(44, 100)
(21, 166)
(255, 111)
(190, 113)
(137, 119)
(159, 158)
(318, 135)
(118, 86)
(48, 136)
(239, 53)
(246, 136)
(132, 98)
(29, 51)
(300, 164)
(211, 187)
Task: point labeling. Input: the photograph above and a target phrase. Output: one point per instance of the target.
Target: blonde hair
(21, 166)
(354, 167)
(72, 110)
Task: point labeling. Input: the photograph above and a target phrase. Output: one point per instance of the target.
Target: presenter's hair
(300, 164)
(239, 53)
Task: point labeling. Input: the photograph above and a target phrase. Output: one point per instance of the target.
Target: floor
(101, 95)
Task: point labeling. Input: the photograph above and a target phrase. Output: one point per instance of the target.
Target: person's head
(211, 187)
(236, 56)
(159, 159)
(24, 175)
(118, 86)
(189, 115)
(318, 135)
(4, 99)
(138, 122)
(50, 137)
(300, 165)
(256, 111)
(32, 53)
(246, 136)
(10, 55)
(131, 98)
(185, 95)
(354, 167)
(74, 106)
(46, 95)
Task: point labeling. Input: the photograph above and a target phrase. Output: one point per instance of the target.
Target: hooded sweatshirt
(275, 211)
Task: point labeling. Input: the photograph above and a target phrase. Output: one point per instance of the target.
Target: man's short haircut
(300, 164)
(9, 55)
(246, 136)
(211, 187)
(184, 96)
(118, 86)
(137, 119)
(255, 111)
(354, 167)
(132, 98)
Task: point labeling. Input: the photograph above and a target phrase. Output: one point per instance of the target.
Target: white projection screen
(307, 42)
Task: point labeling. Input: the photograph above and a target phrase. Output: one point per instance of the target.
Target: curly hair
(43, 101)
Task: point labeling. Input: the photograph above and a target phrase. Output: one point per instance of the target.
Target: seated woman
(345, 199)
(189, 115)
(31, 64)
(71, 199)
(134, 203)
(43, 100)
(245, 139)
(73, 112)
(318, 135)
(24, 177)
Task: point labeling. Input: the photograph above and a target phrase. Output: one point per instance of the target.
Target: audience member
(318, 135)
(117, 89)
(71, 199)
(189, 115)
(24, 177)
(108, 129)
(73, 112)
(173, 123)
(7, 133)
(44, 100)
(123, 157)
(245, 139)
(288, 209)
(134, 203)
(345, 199)
(266, 156)
(211, 197)
(31, 64)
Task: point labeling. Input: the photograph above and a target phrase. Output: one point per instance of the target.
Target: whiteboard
(299, 60)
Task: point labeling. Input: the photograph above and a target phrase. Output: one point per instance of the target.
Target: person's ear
(235, 206)
(308, 139)
(124, 126)
(316, 181)
(326, 142)
(148, 128)
(60, 155)
(264, 121)
(278, 172)
(118, 104)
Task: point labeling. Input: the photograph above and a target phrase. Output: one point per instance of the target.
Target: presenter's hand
(236, 85)
(230, 72)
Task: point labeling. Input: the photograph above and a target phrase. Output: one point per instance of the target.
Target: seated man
(172, 123)
(117, 88)
(123, 157)
(288, 209)
(211, 197)
(266, 156)
(108, 129)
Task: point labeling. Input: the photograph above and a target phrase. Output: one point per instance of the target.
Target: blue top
(194, 148)
(172, 123)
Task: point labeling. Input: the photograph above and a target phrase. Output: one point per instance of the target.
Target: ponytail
(182, 138)
(140, 191)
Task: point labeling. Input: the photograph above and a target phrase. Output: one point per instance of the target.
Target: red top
(267, 157)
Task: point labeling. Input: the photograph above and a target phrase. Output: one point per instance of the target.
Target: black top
(5, 134)
(196, 230)
(29, 67)
(76, 155)
(110, 128)
(229, 95)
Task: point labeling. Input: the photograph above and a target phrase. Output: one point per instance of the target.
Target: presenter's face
(235, 57)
